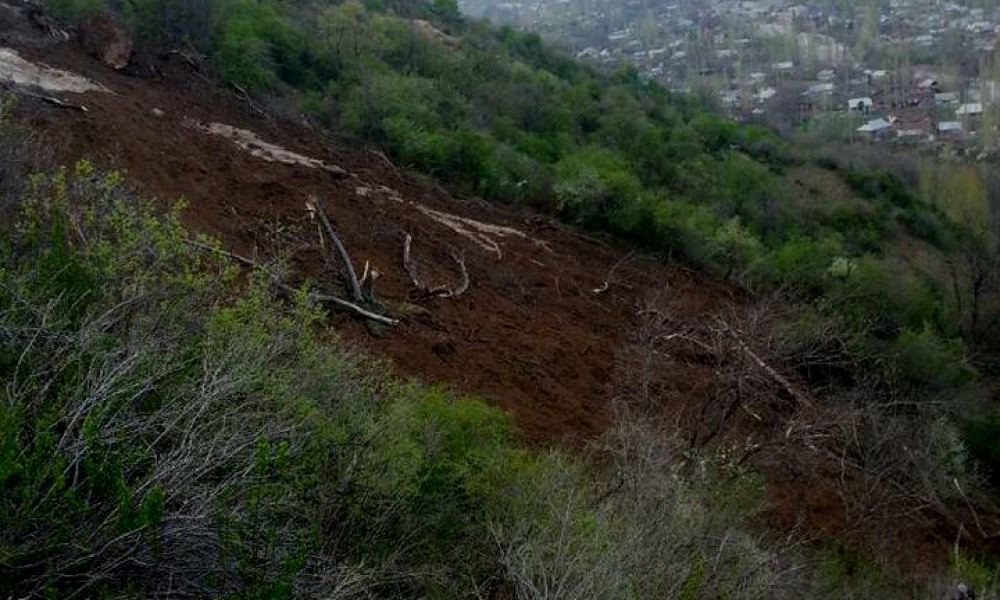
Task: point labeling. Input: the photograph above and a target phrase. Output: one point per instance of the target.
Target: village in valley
(893, 71)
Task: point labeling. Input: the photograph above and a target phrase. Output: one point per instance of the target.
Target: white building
(971, 109)
(950, 127)
(876, 126)
(860, 104)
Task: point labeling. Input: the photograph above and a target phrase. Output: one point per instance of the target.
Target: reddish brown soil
(530, 335)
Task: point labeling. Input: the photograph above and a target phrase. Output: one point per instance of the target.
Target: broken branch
(354, 307)
(439, 291)
(385, 159)
(51, 100)
(364, 276)
(607, 278)
(253, 106)
(314, 208)
(188, 58)
(770, 371)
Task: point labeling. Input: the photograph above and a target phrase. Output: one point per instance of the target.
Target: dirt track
(531, 335)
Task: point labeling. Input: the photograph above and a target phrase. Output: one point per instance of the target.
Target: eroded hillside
(536, 333)
(557, 327)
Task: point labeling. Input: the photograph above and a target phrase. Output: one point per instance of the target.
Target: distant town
(900, 71)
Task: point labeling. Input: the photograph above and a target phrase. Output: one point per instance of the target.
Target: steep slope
(532, 335)
(552, 325)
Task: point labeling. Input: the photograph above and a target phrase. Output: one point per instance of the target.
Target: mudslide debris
(15, 70)
(252, 143)
(483, 234)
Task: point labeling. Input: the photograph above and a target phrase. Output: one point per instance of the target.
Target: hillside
(748, 349)
(531, 334)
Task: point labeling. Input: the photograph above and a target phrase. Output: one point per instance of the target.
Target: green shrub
(75, 10)
(929, 360)
(982, 436)
(258, 48)
(593, 184)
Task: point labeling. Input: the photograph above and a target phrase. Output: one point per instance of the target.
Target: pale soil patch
(251, 142)
(483, 234)
(17, 70)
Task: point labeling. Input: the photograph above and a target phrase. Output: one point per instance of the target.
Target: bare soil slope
(552, 327)
(532, 334)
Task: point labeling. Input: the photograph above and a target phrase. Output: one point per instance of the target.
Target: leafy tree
(594, 183)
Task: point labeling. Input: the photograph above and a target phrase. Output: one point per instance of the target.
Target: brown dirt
(530, 336)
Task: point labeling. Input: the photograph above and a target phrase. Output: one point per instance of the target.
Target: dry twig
(438, 291)
(607, 278)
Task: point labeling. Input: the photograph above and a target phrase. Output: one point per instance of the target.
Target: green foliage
(980, 574)
(435, 465)
(982, 436)
(75, 9)
(593, 184)
(259, 48)
(927, 359)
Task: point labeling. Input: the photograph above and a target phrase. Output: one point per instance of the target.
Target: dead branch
(438, 291)
(253, 106)
(290, 290)
(385, 159)
(367, 273)
(50, 99)
(607, 278)
(351, 306)
(314, 208)
(770, 371)
(188, 58)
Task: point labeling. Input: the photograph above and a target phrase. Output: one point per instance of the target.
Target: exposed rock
(434, 33)
(250, 142)
(107, 40)
(17, 71)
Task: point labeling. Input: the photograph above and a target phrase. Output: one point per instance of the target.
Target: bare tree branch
(438, 291)
(607, 278)
(314, 208)
(773, 374)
